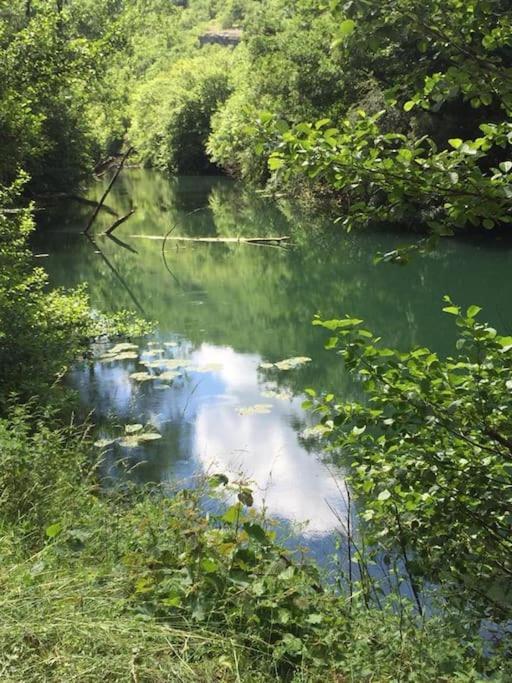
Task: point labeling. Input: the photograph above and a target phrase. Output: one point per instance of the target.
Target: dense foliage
(430, 454)
(401, 110)
(448, 162)
(40, 331)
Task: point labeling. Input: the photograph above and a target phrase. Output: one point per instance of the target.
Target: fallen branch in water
(229, 240)
(106, 193)
(119, 222)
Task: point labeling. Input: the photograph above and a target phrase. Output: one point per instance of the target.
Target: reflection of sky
(203, 430)
(290, 482)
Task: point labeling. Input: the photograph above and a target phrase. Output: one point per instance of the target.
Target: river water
(224, 309)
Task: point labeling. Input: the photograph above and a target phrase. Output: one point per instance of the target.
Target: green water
(228, 307)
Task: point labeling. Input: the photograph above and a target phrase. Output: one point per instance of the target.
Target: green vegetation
(429, 453)
(142, 584)
(398, 112)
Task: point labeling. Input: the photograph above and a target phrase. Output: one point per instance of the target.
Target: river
(224, 309)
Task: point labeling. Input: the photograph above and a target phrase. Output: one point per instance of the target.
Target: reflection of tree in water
(262, 300)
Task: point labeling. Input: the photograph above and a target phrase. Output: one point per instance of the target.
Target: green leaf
(218, 480)
(384, 495)
(409, 106)
(473, 311)
(456, 142)
(232, 514)
(452, 310)
(346, 28)
(275, 163)
(53, 530)
(256, 532)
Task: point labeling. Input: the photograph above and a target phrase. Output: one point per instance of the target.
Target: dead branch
(107, 191)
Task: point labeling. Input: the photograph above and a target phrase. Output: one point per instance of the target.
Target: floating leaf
(209, 367)
(169, 363)
(292, 363)
(129, 441)
(103, 443)
(169, 376)
(259, 408)
(125, 355)
(149, 436)
(266, 366)
(133, 429)
(155, 352)
(171, 345)
(121, 348)
(283, 395)
(142, 376)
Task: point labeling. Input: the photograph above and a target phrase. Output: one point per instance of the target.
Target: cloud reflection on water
(199, 418)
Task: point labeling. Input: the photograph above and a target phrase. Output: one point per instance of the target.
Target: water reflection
(207, 418)
(235, 305)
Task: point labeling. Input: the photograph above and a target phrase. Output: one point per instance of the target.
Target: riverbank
(144, 586)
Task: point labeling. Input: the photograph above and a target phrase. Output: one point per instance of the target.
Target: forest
(255, 275)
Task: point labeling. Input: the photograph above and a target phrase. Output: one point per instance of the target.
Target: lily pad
(171, 345)
(259, 408)
(125, 355)
(149, 436)
(209, 367)
(155, 352)
(133, 429)
(282, 395)
(142, 377)
(121, 348)
(287, 363)
(292, 363)
(130, 441)
(103, 443)
(169, 376)
(169, 363)
(135, 440)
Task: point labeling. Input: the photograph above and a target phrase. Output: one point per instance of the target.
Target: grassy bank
(132, 585)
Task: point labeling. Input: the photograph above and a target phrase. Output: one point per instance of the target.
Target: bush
(40, 332)
(429, 452)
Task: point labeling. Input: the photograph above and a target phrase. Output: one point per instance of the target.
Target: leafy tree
(462, 62)
(172, 112)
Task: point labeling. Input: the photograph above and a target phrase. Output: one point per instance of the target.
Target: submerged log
(229, 240)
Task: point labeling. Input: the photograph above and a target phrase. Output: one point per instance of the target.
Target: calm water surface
(223, 309)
